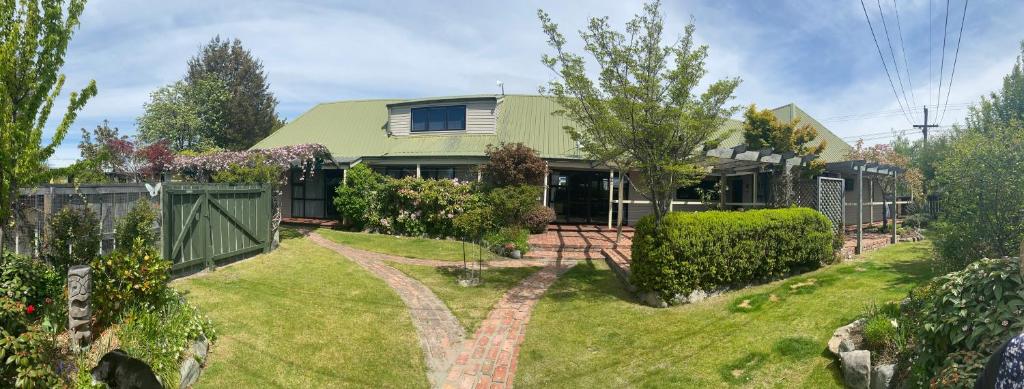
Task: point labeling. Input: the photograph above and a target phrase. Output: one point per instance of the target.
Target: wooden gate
(207, 223)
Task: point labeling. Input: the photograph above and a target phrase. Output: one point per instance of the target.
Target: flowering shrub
(961, 318)
(414, 206)
(305, 156)
(130, 275)
(28, 282)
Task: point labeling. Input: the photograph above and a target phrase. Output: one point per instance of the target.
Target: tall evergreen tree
(251, 111)
(34, 37)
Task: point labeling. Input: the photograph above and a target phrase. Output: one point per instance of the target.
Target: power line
(955, 57)
(879, 114)
(881, 57)
(930, 41)
(942, 65)
(903, 48)
(892, 54)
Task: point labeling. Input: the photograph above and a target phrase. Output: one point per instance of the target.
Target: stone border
(855, 362)
(194, 364)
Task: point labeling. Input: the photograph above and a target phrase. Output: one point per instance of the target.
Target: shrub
(25, 359)
(162, 336)
(77, 228)
(137, 224)
(710, 250)
(473, 224)
(136, 275)
(414, 206)
(506, 239)
(353, 199)
(537, 219)
(29, 282)
(917, 220)
(512, 203)
(962, 318)
(513, 164)
(254, 170)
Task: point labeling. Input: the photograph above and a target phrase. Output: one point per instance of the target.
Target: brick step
(576, 247)
(553, 254)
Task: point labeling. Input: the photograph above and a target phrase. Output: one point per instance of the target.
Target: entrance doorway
(580, 196)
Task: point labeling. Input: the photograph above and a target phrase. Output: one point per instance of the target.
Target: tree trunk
(1021, 256)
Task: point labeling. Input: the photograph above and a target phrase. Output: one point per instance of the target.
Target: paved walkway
(488, 359)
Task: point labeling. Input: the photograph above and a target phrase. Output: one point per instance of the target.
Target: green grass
(303, 316)
(469, 304)
(588, 332)
(445, 250)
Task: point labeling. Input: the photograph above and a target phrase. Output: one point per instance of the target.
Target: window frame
(425, 113)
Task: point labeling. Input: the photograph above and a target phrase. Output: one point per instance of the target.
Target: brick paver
(439, 331)
(488, 359)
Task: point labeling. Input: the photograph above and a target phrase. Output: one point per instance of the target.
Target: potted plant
(513, 251)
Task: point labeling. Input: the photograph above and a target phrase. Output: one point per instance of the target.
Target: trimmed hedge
(709, 250)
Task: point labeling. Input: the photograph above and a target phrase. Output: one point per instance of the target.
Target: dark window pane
(457, 117)
(419, 119)
(435, 119)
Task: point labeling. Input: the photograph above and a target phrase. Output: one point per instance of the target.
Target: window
(694, 192)
(462, 172)
(448, 118)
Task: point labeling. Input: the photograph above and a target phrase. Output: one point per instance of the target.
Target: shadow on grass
(293, 233)
(586, 280)
(797, 347)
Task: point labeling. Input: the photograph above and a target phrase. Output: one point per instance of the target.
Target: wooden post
(753, 190)
(622, 184)
(871, 201)
(418, 171)
(611, 184)
(547, 180)
(860, 209)
(894, 192)
(721, 191)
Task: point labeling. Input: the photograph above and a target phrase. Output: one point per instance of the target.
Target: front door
(579, 196)
(312, 196)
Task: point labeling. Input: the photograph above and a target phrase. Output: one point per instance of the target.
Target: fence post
(206, 231)
(267, 204)
(165, 225)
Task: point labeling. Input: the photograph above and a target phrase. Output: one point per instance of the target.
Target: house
(446, 137)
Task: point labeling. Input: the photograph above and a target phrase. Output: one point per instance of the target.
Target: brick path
(488, 359)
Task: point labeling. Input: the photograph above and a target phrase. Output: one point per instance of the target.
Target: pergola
(859, 168)
(741, 159)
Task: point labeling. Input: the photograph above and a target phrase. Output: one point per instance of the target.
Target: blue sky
(818, 54)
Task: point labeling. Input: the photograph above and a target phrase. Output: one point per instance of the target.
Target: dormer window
(446, 118)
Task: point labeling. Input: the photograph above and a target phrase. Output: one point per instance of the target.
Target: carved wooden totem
(79, 314)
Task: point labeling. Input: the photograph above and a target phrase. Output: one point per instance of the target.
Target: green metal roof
(357, 128)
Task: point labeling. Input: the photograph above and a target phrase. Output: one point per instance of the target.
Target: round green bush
(962, 318)
(139, 223)
(714, 249)
(353, 198)
(537, 219)
(134, 276)
(73, 238)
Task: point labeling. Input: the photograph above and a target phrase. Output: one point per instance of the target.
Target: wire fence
(36, 207)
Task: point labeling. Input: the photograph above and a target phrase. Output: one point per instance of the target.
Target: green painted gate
(207, 223)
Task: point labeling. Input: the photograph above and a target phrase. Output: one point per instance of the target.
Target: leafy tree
(34, 37)
(762, 129)
(353, 198)
(118, 154)
(250, 110)
(185, 114)
(982, 213)
(642, 111)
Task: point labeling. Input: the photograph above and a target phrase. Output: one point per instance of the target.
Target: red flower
(30, 309)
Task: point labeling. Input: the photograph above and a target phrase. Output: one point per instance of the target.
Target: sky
(817, 54)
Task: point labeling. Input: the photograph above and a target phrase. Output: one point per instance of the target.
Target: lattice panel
(805, 193)
(831, 201)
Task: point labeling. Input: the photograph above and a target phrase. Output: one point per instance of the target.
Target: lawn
(303, 316)
(445, 250)
(469, 304)
(588, 332)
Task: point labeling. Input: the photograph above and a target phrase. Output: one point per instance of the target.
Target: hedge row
(709, 250)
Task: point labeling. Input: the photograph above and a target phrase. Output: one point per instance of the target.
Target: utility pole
(924, 127)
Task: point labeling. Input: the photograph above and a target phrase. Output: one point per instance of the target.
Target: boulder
(846, 346)
(844, 332)
(881, 376)
(856, 369)
(652, 299)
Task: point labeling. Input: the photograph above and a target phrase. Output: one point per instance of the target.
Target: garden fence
(199, 225)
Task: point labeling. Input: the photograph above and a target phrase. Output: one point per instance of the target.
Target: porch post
(479, 174)
(753, 191)
(894, 205)
(344, 177)
(871, 201)
(721, 191)
(860, 208)
(611, 184)
(547, 175)
(418, 171)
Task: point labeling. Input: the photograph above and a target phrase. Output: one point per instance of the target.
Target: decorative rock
(841, 333)
(846, 346)
(193, 366)
(881, 376)
(856, 369)
(652, 299)
(79, 313)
